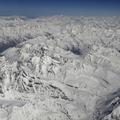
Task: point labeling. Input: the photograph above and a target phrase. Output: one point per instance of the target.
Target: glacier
(60, 68)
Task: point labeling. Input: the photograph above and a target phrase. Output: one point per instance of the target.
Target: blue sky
(34, 8)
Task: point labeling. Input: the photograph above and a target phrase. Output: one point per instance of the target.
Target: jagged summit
(59, 68)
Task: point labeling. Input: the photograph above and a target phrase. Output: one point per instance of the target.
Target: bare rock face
(60, 68)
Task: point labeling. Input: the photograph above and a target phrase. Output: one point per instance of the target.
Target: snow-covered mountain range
(60, 68)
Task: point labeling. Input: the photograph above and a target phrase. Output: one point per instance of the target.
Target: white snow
(60, 68)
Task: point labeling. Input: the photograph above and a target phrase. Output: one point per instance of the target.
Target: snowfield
(60, 68)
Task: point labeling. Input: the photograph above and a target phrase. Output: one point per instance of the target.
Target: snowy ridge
(59, 68)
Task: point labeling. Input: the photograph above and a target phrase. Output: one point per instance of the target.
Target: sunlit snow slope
(60, 68)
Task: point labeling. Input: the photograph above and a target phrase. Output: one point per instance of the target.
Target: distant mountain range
(60, 68)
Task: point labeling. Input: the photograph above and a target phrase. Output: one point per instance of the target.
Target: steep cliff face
(59, 68)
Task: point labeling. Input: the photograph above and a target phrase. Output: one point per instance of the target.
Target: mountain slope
(59, 68)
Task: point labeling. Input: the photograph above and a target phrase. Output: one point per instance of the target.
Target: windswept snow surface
(60, 68)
